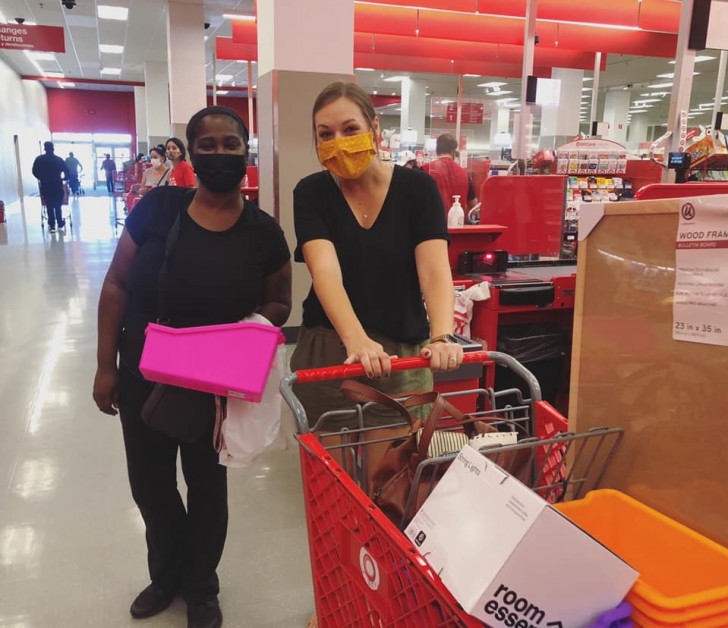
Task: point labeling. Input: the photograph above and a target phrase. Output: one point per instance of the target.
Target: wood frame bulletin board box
(670, 396)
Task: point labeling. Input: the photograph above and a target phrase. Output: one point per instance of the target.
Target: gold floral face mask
(347, 157)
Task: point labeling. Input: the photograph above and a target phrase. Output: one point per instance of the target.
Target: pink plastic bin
(229, 360)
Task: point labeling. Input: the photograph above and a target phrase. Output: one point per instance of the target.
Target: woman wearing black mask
(228, 261)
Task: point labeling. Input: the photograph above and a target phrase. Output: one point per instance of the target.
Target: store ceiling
(143, 37)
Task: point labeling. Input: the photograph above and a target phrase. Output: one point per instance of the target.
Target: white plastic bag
(251, 429)
(464, 306)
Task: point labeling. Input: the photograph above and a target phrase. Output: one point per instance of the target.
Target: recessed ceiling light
(64, 84)
(375, 92)
(111, 49)
(394, 93)
(244, 18)
(111, 71)
(587, 78)
(640, 110)
(365, 69)
(54, 74)
(222, 78)
(502, 92)
(671, 75)
(106, 12)
(659, 85)
(222, 92)
(394, 79)
(473, 75)
(586, 89)
(646, 100)
(491, 84)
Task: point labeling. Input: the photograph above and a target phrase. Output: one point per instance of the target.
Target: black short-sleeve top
(214, 277)
(378, 263)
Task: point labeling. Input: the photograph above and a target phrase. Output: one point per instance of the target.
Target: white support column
(293, 67)
(560, 121)
(251, 113)
(681, 85)
(186, 57)
(459, 116)
(413, 107)
(140, 113)
(595, 86)
(719, 83)
(156, 95)
(638, 128)
(616, 112)
(520, 144)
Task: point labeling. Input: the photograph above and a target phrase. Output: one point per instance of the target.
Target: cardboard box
(508, 557)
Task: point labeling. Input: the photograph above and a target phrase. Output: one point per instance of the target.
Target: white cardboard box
(508, 557)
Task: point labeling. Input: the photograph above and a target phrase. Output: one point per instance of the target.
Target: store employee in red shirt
(451, 178)
(182, 175)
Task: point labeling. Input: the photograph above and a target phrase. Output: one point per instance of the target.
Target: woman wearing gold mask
(374, 238)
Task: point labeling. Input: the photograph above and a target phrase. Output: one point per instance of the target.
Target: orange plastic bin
(683, 575)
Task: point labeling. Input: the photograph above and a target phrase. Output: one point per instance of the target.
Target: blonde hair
(351, 92)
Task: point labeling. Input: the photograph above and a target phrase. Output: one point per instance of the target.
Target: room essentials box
(508, 557)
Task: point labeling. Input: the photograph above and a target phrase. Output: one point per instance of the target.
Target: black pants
(110, 183)
(184, 546)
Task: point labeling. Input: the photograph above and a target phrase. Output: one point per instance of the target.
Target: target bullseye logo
(369, 569)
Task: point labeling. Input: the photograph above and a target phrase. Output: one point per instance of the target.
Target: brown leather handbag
(393, 478)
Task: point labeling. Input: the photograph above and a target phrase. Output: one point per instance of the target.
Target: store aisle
(72, 550)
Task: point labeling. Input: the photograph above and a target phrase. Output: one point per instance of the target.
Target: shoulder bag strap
(164, 176)
(169, 246)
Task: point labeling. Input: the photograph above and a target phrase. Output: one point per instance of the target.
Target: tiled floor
(72, 549)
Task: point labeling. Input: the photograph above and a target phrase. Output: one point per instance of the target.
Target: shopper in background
(51, 170)
(230, 260)
(158, 174)
(374, 238)
(74, 168)
(452, 179)
(182, 175)
(407, 159)
(109, 167)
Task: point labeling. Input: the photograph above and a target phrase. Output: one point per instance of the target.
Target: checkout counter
(516, 249)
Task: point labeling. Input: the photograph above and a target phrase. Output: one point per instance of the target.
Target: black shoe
(204, 614)
(149, 602)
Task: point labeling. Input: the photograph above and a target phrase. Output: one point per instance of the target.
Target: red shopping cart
(365, 571)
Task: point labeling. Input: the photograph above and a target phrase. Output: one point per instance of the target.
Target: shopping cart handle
(344, 371)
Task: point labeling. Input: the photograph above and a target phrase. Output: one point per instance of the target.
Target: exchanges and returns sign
(42, 38)
(472, 112)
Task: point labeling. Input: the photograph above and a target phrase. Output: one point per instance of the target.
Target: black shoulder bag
(183, 414)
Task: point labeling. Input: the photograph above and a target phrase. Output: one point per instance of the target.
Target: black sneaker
(205, 614)
(149, 602)
(52, 230)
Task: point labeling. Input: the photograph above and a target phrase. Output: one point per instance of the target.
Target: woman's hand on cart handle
(106, 390)
(443, 356)
(397, 364)
(371, 355)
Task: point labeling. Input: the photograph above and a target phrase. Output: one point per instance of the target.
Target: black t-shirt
(213, 277)
(377, 264)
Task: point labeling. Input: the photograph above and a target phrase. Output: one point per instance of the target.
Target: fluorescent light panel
(394, 79)
(40, 56)
(244, 18)
(659, 85)
(111, 49)
(221, 78)
(111, 71)
(698, 59)
(494, 84)
(107, 12)
(365, 69)
(222, 92)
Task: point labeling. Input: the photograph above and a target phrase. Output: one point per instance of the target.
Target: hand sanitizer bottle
(456, 215)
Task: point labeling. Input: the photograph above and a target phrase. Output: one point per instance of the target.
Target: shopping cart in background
(65, 209)
(365, 571)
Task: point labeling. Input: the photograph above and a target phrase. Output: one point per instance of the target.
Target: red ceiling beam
(656, 15)
(442, 66)
(470, 51)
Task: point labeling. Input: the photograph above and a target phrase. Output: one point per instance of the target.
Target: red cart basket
(366, 573)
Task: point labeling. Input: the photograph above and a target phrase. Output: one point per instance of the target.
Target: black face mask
(219, 172)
